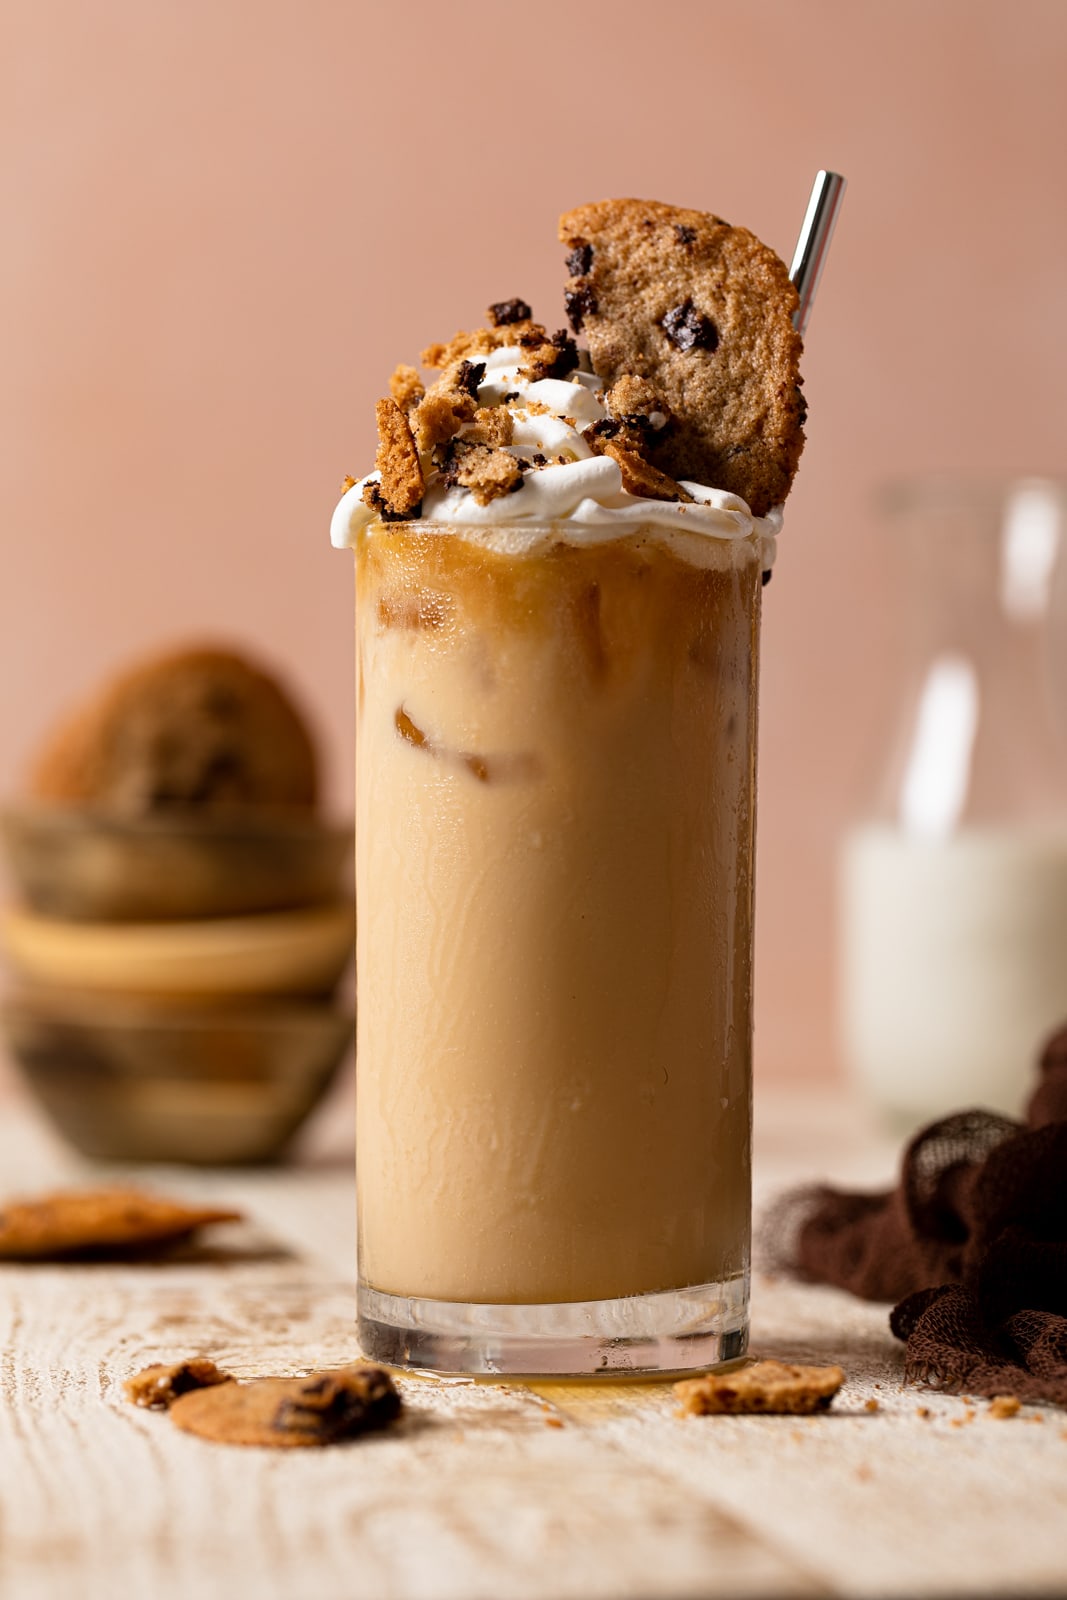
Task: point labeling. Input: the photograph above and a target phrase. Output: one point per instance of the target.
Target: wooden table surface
(494, 1491)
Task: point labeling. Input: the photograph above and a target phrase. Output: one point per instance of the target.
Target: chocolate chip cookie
(704, 312)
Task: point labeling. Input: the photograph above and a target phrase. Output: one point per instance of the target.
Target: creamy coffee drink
(556, 670)
(555, 780)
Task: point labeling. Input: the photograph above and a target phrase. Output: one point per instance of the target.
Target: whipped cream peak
(563, 480)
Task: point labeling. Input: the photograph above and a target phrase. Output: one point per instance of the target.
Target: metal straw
(809, 257)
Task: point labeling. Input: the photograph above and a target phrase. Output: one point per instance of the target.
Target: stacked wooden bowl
(177, 968)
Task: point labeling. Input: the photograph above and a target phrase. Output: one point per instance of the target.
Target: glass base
(650, 1334)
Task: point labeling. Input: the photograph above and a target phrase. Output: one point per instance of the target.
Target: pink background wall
(222, 224)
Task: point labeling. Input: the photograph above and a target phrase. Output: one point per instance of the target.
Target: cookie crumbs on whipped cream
(518, 430)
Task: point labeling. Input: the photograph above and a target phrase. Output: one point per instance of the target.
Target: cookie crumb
(402, 484)
(923, 1411)
(158, 1386)
(347, 483)
(771, 1387)
(487, 472)
(406, 387)
(469, 375)
(505, 313)
(440, 415)
(479, 342)
(872, 1404)
(1004, 1405)
(631, 399)
(323, 1408)
(492, 425)
(638, 475)
(550, 358)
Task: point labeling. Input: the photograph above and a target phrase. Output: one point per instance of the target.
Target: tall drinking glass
(555, 805)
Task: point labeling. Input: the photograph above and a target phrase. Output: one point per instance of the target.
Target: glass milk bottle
(953, 896)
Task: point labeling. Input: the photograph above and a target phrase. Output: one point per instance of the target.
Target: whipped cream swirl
(576, 488)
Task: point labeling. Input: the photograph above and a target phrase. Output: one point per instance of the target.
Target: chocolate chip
(332, 1407)
(580, 303)
(512, 394)
(802, 408)
(686, 235)
(503, 312)
(689, 329)
(606, 429)
(767, 576)
(539, 460)
(565, 359)
(580, 260)
(635, 431)
(469, 376)
(448, 464)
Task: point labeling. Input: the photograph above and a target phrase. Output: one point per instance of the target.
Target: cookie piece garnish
(485, 471)
(638, 475)
(704, 312)
(493, 425)
(406, 387)
(772, 1387)
(441, 414)
(287, 1413)
(479, 342)
(637, 400)
(503, 313)
(469, 375)
(549, 358)
(158, 1386)
(79, 1222)
(399, 494)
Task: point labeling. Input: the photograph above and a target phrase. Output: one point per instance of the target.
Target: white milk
(953, 964)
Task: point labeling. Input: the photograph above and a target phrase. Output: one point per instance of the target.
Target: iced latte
(556, 740)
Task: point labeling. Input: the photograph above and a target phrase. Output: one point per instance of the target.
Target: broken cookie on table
(281, 1413)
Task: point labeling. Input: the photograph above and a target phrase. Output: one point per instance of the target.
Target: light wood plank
(481, 1492)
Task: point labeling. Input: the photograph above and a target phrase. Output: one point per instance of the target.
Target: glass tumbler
(555, 804)
(953, 888)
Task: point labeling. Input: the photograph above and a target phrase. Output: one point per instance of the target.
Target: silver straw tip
(809, 257)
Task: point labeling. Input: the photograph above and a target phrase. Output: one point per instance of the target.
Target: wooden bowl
(273, 954)
(123, 1082)
(90, 867)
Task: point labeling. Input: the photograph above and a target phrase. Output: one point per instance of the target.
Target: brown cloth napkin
(972, 1245)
